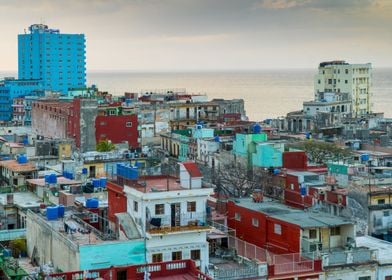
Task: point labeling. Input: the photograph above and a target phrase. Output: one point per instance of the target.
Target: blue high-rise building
(59, 60)
(11, 88)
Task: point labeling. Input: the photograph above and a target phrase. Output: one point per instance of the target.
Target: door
(175, 214)
(92, 171)
(122, 275)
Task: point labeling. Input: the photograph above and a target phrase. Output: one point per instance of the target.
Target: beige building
(342, 77)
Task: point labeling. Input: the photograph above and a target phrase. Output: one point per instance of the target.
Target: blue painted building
(58, 59)
(11, 88)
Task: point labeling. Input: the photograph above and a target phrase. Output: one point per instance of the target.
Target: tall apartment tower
(59, 60)
(342, 77)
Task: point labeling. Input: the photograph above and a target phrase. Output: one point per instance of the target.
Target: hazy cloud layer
(209, 34)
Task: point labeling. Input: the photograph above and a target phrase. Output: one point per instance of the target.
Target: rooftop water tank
(96, 183)
(51, 213)
(92, 203)
(256, 128)
(102, 182)
(61, 211)
(22, 159)
(365, 157)
(84, 171)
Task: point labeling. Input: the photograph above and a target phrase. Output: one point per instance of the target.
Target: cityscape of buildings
(167, 184)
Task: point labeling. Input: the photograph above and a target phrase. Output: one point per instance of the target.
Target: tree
(235, 180)
(321, 152)
(18, 246)
(105, 146)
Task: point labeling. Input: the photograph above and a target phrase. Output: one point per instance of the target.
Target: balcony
(191, 221)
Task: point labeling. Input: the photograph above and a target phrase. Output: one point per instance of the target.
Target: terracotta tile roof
(13, 165)
(192, 169)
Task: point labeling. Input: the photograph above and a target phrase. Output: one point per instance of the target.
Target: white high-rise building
(342, 77)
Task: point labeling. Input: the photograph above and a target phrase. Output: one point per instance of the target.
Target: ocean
(267, 93)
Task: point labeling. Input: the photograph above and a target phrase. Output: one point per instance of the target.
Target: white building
(172, 214)
(342, 77)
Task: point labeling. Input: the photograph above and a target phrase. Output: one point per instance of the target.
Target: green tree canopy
(105, 146)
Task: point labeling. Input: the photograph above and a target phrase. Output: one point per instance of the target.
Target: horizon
(184, 35)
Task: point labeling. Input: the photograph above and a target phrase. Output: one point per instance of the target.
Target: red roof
(192, 169)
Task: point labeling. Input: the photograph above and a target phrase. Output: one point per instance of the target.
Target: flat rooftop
(13, 165)
(81, 233)
(60, 181)
(22, 199)
(384, 247)
(304, 219)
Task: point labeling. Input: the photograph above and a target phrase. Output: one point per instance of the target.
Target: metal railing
(356, 255)
(292, 263)
(184, 220)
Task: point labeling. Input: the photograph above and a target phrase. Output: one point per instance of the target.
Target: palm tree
(105, 146)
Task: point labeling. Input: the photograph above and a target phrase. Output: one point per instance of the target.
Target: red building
(117, 129)
(117, 200)
(117, 122)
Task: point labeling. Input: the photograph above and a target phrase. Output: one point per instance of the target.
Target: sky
(181, 35)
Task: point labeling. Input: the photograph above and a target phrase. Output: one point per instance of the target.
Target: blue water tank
(70, 175)
(308, 135)
(217, 139)
(92, 203)
(61, 210)
(276, 171)
(102, 182)
(65, 174)
(52, 179)
(22, 159)
(302, 190)
(25, 140)
(256, 128)
(52, 213)
(365, 157)
(95, 183)
(47, 179)
(84, 171)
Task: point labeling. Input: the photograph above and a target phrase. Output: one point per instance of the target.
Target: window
(346, 81)
(159, 209)
(346, 71)
(93, 218)
(195, 254)
(312, 234)
(381, 201)
(386, 214)
(176, 256)
(191, 206)
(278, 229)
(255, 222)
(156, 258)
(388, 277)
(135, 206)
(364, 278)
(335, 231)
(237, 216)
(128, 124)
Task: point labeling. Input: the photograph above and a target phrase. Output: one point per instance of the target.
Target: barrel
(102, 182)
(61, 211)
(52, 213)
(96, 183)
(92, 203)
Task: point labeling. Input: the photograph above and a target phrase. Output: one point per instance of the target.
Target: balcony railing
(356, 255)
(181, 222)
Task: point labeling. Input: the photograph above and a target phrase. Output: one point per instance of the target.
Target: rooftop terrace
(304, 219)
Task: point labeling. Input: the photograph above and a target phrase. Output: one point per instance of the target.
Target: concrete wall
(50, 245)
(88, 113)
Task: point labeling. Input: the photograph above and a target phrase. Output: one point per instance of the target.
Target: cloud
(283, 4)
